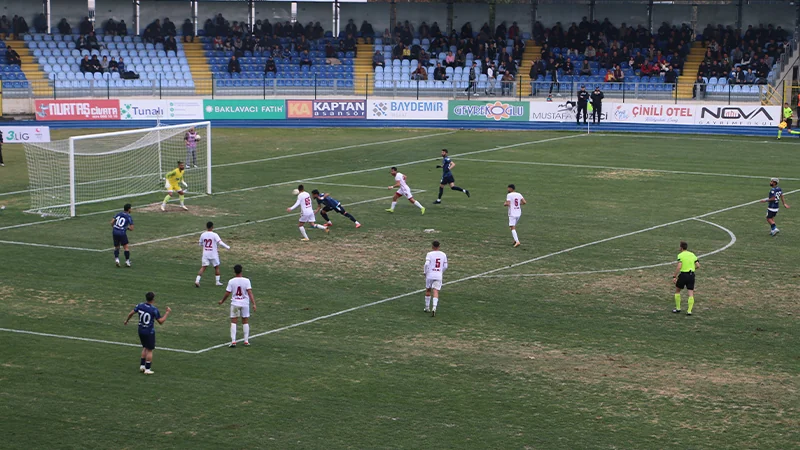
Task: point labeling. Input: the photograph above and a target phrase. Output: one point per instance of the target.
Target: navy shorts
(771, 214)
(120, 239)
(148, 340)
(447, 179)
(685, 280)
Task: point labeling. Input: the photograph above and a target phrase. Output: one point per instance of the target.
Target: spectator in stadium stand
(152, 33)
(461, 58)
(209, 28)
(330, 50)
(171, 44)
(20, 26)
(619, 75)
(122, 28)
(439, 74)
(350, 28)
(91, 42)
(104, 64)
(378, 59)
(507, 86)
(238, 46)
(671, 77)
(234, 66)
(12, 57)
(113, 66)
(218, 43)
(473, 79)
(513, 31)
(63, 27)
(305, 59)
(187, 29)
(80, 43)
(40, 23)
(419, 74)
(699, 87)
(5, 25)
(121, 65)
(609, 78)
(569, 69)
(590, 52)
(110, 27)
(85, 26)
(270, 66)
(86, 66)
(749, 77)
(168, 28)
(301, 44)
(318, 32)
(95, 65)
(586, 68)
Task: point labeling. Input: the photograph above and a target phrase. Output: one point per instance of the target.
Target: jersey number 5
(438, 263)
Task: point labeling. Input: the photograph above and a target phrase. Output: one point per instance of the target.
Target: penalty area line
(500, 269)
(97, 341)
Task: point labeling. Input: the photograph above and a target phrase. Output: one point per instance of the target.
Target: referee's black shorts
(685, 280)
(788, 121)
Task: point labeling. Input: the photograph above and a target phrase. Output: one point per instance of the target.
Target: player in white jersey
(190, 139)
(435, 265)
(514, 202)
(209, 241)
(240, 291)
(306, 212)
(402, 191)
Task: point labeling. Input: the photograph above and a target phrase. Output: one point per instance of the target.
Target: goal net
(110, 166)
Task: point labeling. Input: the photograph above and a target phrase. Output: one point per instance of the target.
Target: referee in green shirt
(684, 277)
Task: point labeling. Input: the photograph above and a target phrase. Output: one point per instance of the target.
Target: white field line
(61, 247)
(737, 141)
(355, 172)
(98, 341)
(626, 269)
(588, 166)
(347, 147)
(27, 224)
(499, 269)
(241, 224)
(294, 155)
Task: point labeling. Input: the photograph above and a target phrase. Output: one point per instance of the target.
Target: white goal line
(500, 269)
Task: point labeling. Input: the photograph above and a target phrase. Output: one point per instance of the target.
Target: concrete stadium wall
(378, 13)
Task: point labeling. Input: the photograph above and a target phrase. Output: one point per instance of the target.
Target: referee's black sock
(350, 216)
(127, 255)
(441, 191)
(148, 364)
(325, 216)
(456, 188)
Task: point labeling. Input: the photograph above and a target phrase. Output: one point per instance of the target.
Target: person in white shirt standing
(209, 242)
(306, 212)
(240, 290)
(402, 191)
(514, 202)
(435, 265)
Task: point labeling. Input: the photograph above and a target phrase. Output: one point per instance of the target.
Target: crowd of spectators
(94, 65)
(741, 59)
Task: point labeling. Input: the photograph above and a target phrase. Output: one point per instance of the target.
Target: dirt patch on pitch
(367, 253)
(625, 174)
(647, 375)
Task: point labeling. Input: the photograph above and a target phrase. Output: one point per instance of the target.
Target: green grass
(576, 361)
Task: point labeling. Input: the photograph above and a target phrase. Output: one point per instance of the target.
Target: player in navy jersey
(326, 203)
(447, 177)
(120, 225)
(148, 315)
(773, 204)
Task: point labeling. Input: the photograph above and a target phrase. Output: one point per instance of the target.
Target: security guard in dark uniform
(583, 104)
(597, 105)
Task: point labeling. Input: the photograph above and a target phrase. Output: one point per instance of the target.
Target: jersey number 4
(239, 292)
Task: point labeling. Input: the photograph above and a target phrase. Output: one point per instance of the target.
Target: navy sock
(141, 362)
(325, 216)
(456, 188)
(127, 255)
(773, 226)
(147, 365)
(441, 191)
(116, 253)
(350, 216)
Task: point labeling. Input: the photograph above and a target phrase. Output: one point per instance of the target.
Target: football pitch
(567, 342)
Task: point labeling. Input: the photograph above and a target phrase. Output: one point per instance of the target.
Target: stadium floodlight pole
(72, 177)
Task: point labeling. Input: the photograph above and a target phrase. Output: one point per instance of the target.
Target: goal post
(117, 165)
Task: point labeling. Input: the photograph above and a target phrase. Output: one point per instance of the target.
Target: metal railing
(367, 86)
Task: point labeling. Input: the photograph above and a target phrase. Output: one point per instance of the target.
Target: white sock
(435, 302)
(514, 234)
(427, 302)
(197, 280)
(319, 227)
(233, 332)
(394, 204)
(303, 232)
(357, 223)
(418, 204)
(246, 328)
(216, 276)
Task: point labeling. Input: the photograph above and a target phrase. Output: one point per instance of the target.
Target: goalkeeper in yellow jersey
(173, 182)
